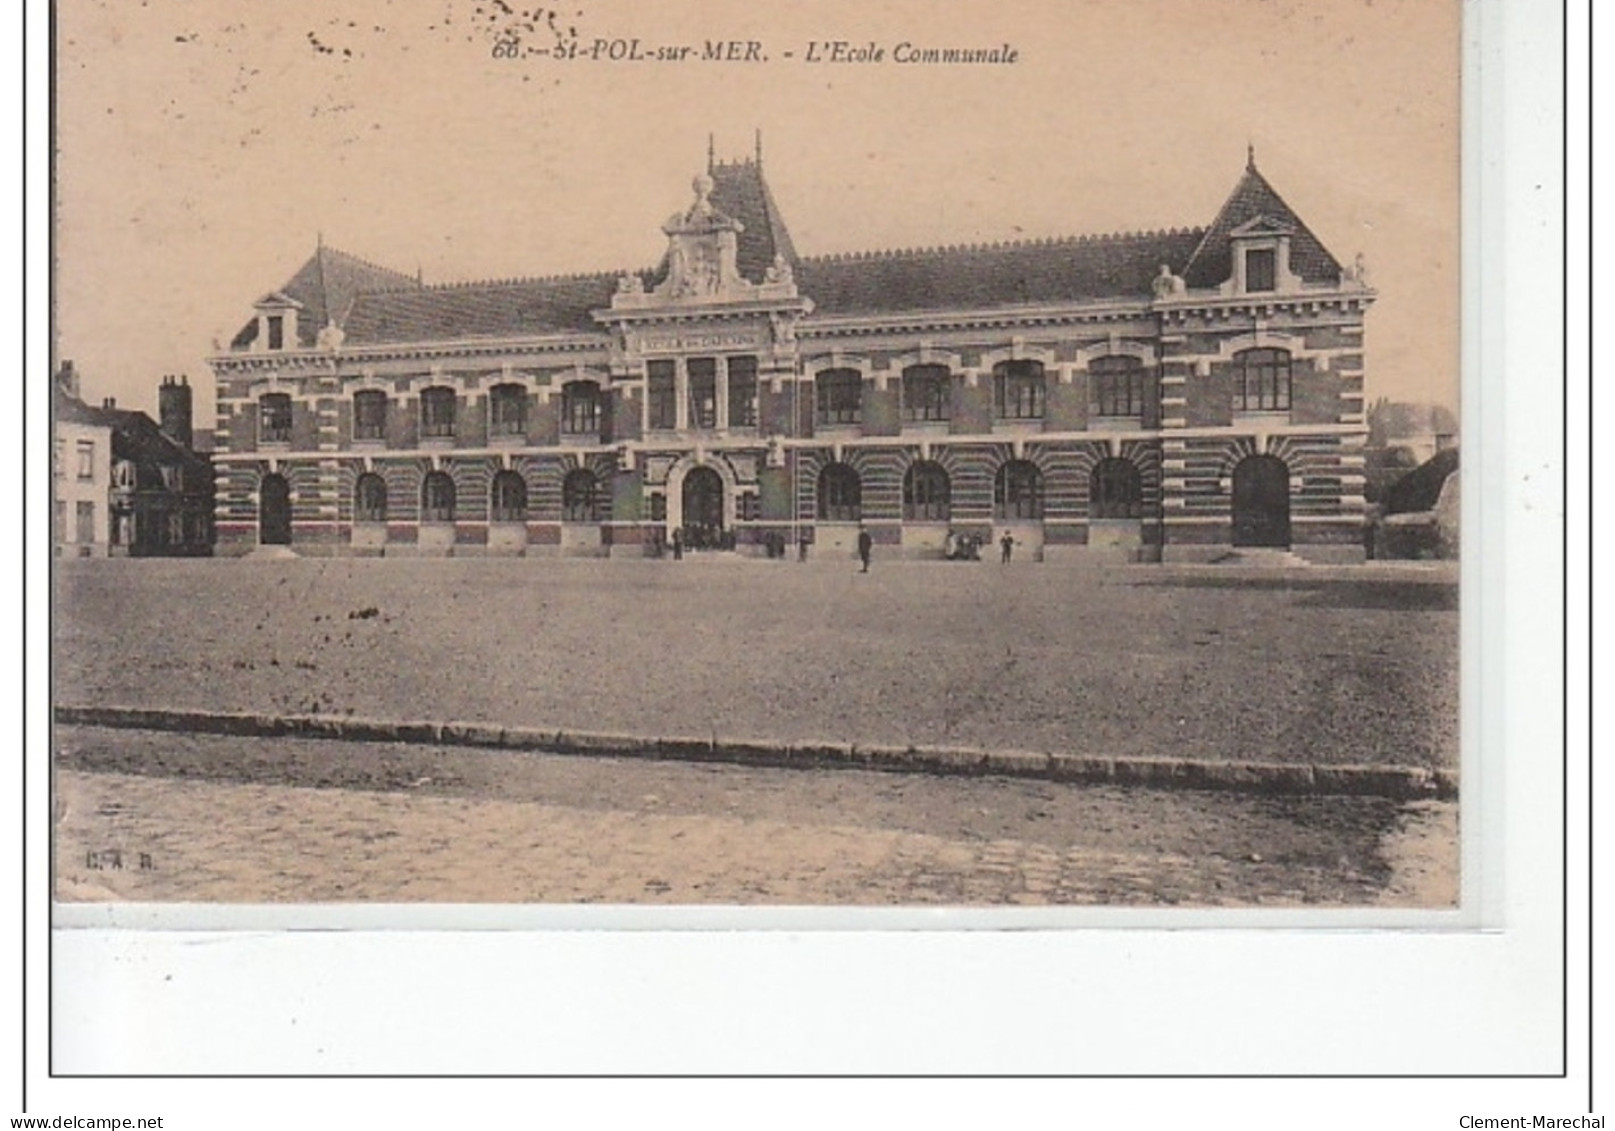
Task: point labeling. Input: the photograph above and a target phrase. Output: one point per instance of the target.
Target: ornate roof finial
(759, 147)
(1250, 157)
(712, 152)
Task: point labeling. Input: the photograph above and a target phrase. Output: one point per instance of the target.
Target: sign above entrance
(697, 340)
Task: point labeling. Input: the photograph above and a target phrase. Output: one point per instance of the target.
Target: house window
(437, 497)
(927, 392)
(1118, 384)
(58, 459)
(1115, 490)
(370, 498)
(742, 392)
(840, 494)
(1018, 491)
(927, 492)
(437, 413)
(840, 396)
(580, 408)
(275, 418)
(509, 498)
(85, 515)
(1261, 267)
(86, 459)
(277, 331)
(369, 415)
(1018, 390)
(661, 396)
(507, 410)
(580, 496)
(1262, 381)
(703, 374)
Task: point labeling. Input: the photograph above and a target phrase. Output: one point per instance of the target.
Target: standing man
(1006, 546)
(678, 545)
(866, 545)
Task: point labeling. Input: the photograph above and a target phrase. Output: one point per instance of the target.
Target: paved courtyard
(156, 816)
(1320, 666)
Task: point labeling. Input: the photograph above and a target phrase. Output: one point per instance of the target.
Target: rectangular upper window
(742, 392)
(438, 406)
(703, 373)
(369, 414)
(275, 418)
(662, 398)
(86, 459)
(1118, 385)
(1019, 391)
(277, 331)
(1261, 270)
(927, 392)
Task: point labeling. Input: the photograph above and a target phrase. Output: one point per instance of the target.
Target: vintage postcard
(721, 455)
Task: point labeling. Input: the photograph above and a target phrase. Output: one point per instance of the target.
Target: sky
(204, 148)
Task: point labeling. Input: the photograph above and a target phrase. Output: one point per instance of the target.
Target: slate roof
(135, 435)
(375, 305)
(990, 275)
(1212, 262)
(477, 310)
(326, 286)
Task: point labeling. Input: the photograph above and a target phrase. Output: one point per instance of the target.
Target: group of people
(955, 547)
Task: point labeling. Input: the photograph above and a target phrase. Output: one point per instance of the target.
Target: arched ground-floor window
(580, 496)
(1115, 490)
(927, 492)
(840, 494)
(437, 497)
(1018, 491)
(508, 498)
(275, 511)
(370, 498)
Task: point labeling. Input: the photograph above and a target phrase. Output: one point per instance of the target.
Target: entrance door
(1262, 502)
(275, 511)
(703, 509)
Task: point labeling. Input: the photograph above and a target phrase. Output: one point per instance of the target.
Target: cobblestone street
(256, 820)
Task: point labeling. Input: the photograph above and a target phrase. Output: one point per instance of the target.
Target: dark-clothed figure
(678, 546)
(866, 546)
(1006, 545)
(802, 547)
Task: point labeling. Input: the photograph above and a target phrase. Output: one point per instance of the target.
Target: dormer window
(275, 329)
(277, 322)
(1261, 269)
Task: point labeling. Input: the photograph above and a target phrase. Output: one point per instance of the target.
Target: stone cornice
(1179, 307)
(411, 351)
(845, 325)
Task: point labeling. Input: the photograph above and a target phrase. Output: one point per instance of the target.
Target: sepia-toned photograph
(722, 455)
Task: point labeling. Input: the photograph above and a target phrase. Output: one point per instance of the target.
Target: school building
(1170, 395)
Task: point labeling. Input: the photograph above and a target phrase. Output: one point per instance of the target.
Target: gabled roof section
(740, 192)
(324, 289)
(994, 275)
(506, 308)
(1253, 198)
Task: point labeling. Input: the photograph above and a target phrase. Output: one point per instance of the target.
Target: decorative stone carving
(1358, 271)
(779, 271)
(330, 337)
(630, 284)
(1166, 284)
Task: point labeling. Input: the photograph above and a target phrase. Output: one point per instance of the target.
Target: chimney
(109, 402)
(67, 379)
(174, 410)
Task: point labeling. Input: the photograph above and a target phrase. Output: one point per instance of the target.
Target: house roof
(135, 435)
(1253, 198)
(325, 288)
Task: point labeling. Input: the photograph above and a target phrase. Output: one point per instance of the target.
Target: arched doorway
(703, 509)
(274, 511)
(1262, 502)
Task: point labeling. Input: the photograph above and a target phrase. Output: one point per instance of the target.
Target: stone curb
(1398, 782)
